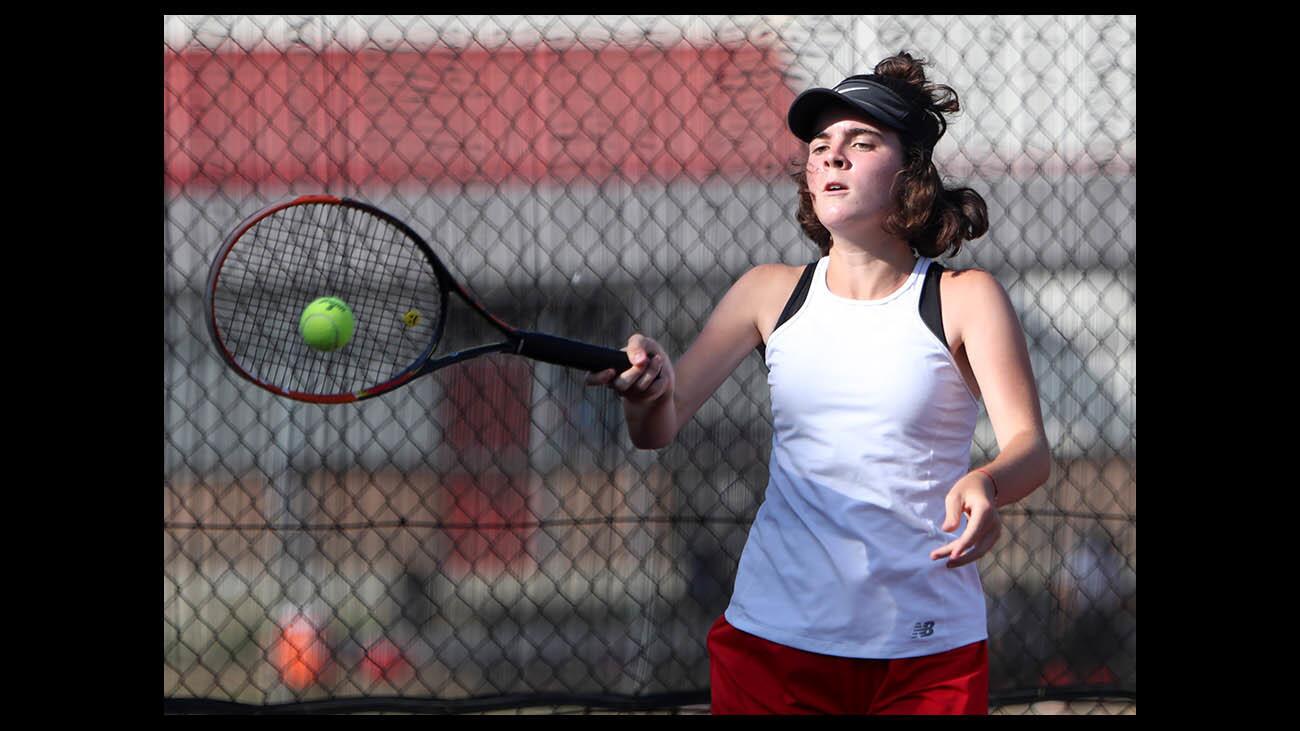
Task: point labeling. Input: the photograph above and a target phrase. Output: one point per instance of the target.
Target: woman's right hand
(650, 377)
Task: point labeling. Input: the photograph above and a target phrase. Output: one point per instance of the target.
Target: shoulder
(970, 280)
(776, 273)
(970, 284)
(976, 298)
(765, 280)
(762, 293)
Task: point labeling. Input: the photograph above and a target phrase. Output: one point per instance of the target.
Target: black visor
(861, 93)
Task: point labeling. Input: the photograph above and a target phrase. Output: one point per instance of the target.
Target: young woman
(857, 590)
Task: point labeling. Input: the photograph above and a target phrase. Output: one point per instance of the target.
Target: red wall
(500, 116)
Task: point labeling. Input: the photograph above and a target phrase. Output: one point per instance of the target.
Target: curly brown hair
(934, 220)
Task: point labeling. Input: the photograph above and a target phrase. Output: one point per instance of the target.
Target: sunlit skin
(863, 157)
(852, 165)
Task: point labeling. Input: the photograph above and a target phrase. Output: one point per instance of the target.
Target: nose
(835, 159)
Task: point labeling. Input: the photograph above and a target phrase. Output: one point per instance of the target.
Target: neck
(868, 271)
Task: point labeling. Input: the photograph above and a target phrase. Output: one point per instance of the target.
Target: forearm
(1021, 467)
(652, 424)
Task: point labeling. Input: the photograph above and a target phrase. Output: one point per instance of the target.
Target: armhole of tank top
(931, 308)
(793, 304)
(932, 315)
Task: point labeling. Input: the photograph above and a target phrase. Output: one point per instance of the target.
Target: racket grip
(571, 353)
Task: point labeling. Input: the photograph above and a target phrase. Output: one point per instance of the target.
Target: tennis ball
(327, 324)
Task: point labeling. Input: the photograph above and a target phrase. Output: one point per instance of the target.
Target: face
(851, 168)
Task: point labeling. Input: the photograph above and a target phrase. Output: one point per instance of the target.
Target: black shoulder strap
(931, 310)
(797, 297)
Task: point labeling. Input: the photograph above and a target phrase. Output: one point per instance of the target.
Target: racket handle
(571, 353)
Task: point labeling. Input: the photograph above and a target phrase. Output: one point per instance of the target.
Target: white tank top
(872, 425)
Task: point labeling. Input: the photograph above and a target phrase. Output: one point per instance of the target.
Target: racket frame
(537, 346)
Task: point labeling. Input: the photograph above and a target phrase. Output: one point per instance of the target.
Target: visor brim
(808, 107)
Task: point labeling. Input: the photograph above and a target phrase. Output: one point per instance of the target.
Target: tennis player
(857, 590)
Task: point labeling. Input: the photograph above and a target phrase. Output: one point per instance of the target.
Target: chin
(845, 226)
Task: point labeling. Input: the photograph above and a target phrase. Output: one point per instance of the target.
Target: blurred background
(487, 538)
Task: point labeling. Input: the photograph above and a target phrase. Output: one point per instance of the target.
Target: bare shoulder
(774, 276)
(764, 282)
(970, 285)
(969, 297)
(771, 285)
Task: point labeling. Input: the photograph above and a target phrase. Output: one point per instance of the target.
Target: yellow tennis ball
(327, 324)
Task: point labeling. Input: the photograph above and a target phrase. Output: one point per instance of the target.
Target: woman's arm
(660, 395)
(999, 359)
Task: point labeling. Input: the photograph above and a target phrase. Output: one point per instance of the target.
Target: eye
(818, 148)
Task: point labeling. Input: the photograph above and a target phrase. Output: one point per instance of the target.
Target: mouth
(835, 188)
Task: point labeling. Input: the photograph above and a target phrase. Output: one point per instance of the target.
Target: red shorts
(751, 675)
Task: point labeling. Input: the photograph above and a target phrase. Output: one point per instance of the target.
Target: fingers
(640, 349)
(649, 376)
(631, 378)
(982, 528)
(654, 366)
(601, 378)
(976, 552)
(644, 380)
(952, 512)
(981, 535)
(636, 349)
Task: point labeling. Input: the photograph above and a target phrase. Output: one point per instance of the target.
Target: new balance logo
(922, 629)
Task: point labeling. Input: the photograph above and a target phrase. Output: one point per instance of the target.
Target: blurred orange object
(299, 653)
(384, 661)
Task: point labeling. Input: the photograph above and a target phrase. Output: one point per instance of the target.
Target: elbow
(1042, 463)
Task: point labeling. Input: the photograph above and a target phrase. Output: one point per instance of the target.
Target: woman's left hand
(972, 495)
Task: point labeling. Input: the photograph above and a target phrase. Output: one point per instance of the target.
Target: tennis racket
(282, 258)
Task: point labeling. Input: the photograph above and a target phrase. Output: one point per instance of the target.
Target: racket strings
(303, 252)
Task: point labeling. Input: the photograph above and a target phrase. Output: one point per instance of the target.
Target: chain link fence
(488, 538)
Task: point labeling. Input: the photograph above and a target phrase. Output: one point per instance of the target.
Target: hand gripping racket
(282, 258)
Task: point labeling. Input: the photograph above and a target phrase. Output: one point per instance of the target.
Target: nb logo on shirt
(922, 629)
